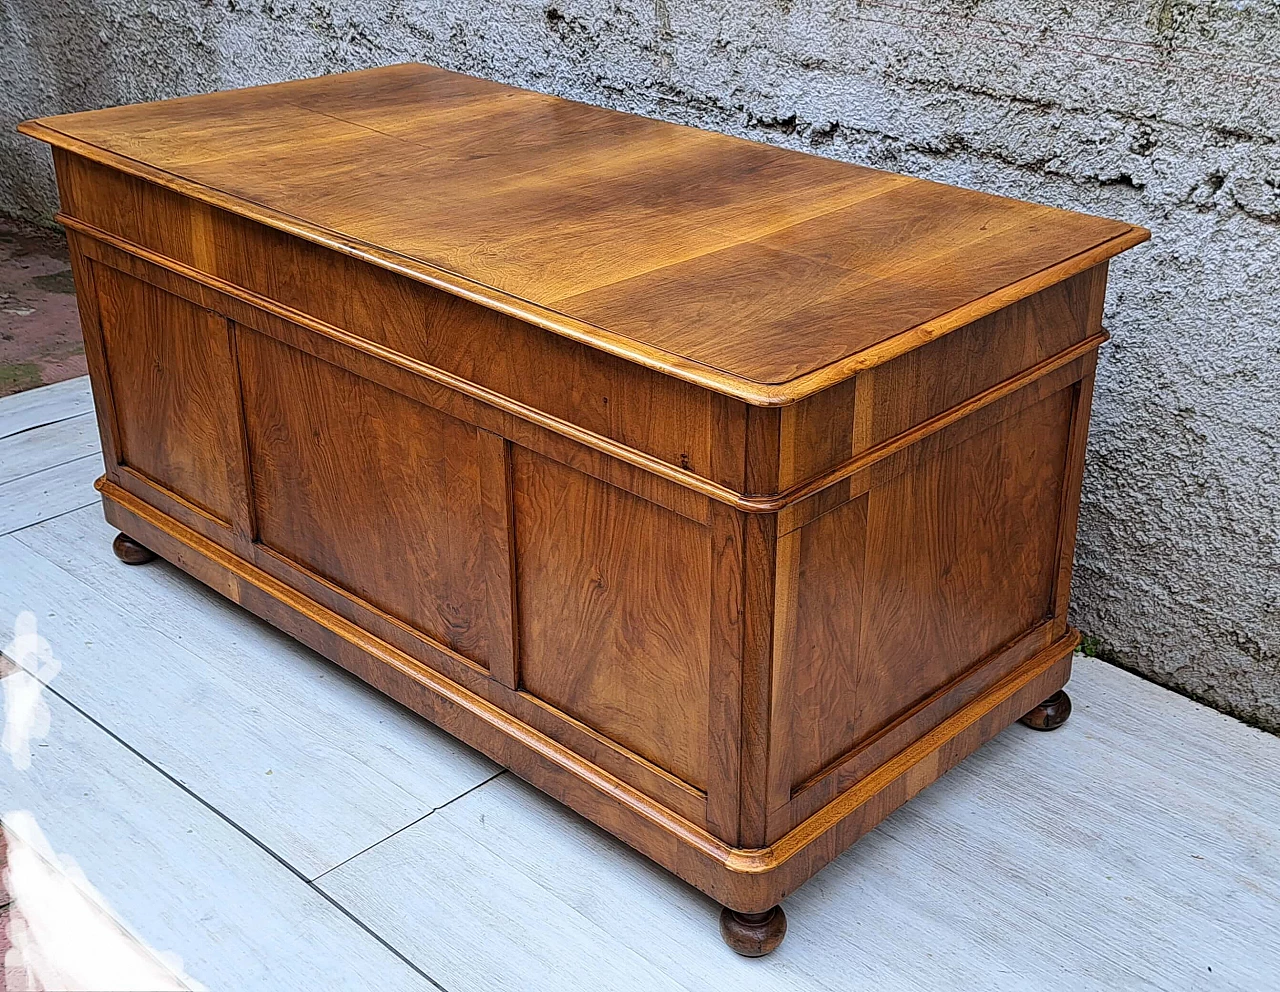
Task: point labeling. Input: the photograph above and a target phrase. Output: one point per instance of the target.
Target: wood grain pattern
(347, 766)
(596, 391)
(397, 490)
(821, 434)
(503, 881)
(169, 366)
(727, 494)
(725, 743)
(925, 382)
(809, 797)
(816, 666)
(615, 609)
(817, 428)
(746, 879)
(608, 404)
(621, 466)
(1140, 888)
(1078, 437)
(960, 559)
(705, 216)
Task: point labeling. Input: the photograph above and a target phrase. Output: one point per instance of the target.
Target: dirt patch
(39, 324)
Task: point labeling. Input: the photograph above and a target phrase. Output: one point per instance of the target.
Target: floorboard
(474, 921)
(180, 878)
(1137, 848)
(47, 447)
(48, 493)
(1072, 860)
(46, 405)
(305, 757)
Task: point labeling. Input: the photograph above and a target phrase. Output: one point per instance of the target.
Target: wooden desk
(725, 493)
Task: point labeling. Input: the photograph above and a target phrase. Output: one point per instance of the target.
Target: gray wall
(1165, 113)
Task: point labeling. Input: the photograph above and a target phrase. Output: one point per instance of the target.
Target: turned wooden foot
(130, 551)
(753, 935)
(1051, 714)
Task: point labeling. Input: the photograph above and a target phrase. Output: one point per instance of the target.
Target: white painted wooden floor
(239, 802)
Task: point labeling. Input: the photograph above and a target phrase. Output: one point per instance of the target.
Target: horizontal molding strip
(809, 487)
(441, 685)
(748, 861)
(740, 501)
(1040, 631)
(726, 383)
(691, 791)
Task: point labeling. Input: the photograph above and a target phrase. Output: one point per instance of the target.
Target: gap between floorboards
(264, 847)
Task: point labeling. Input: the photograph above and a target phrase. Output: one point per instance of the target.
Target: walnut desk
(725, 493)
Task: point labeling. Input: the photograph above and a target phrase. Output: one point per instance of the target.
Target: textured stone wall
(1165, 113)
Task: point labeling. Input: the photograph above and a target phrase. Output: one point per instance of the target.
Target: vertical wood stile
(728, 437)
(728, 559)
(1069, 513)
(762, 466)
(244, 519)
(500, 564)
(82, 269)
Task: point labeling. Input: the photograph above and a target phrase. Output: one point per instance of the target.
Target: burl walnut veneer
(725, 493)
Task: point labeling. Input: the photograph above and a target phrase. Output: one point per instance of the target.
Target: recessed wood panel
(393, 501)
(172, 388)
(960, 560)
(891, 596)
(462, 421)
(614, 600)
(820, 576)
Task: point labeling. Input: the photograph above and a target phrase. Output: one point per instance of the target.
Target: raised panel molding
(615, 612)
(733, 527)
(393, 501)
(171, 379)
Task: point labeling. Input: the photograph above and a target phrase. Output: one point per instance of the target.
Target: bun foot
(1049, 715)
(753, 935)
(130, 551)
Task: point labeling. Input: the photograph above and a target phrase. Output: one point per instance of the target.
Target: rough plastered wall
(1165, 113)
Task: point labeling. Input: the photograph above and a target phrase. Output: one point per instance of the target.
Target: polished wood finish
(725, 493)
(1050, 714)
(753, 935)
(619, 641)
(731, 247)
(414, 501)
(171, 383)
(130, 551)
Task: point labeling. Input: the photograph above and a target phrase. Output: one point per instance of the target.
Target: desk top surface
(762, 273)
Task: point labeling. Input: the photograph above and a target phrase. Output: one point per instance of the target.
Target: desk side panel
(911, 588)
(828, 428)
